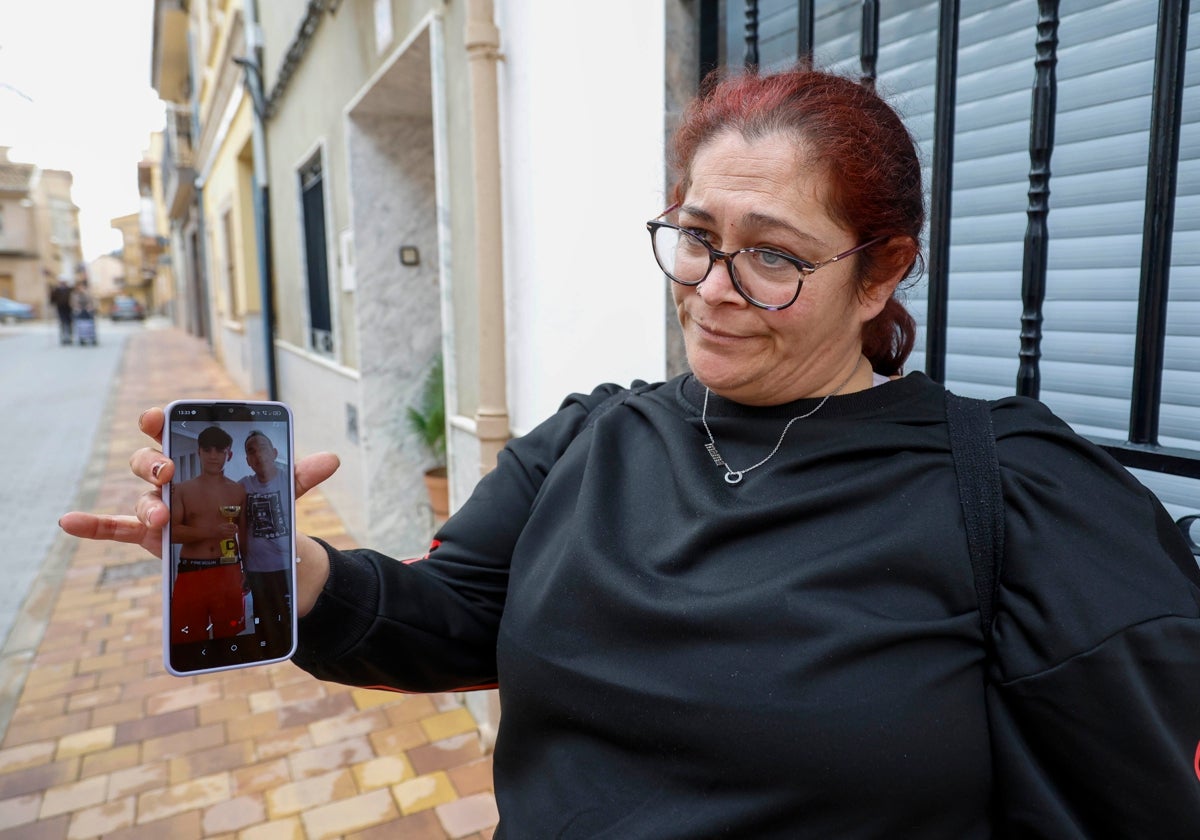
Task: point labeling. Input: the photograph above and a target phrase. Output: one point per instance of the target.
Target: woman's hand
(150, 514)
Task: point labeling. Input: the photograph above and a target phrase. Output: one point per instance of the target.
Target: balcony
(178, 163)
(169, 56)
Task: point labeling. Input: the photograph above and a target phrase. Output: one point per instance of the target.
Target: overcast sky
(75, 94)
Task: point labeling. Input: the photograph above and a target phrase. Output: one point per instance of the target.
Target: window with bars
(312, 200)
(1061, 142)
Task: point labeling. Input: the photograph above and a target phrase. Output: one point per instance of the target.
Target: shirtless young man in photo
(207, 601)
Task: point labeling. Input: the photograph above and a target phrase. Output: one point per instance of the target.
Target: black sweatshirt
(798, 655)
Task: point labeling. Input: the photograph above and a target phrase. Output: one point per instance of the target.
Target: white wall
(243, 353)
(582, 103)
(319, 392)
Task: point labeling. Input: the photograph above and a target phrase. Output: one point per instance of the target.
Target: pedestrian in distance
(60, 299)
(758, 600)
(83, 312)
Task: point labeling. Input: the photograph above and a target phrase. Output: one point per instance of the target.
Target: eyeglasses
(768, 279)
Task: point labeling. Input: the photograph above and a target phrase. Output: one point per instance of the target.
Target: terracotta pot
(438, 485)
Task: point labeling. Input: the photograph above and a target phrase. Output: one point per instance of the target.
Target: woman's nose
(718, 286)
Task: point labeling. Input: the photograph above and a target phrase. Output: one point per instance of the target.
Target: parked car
(14, 310)
(125, 308)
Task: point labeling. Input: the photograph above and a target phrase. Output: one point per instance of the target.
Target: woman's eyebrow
(762, 220)
(699, 214)
(755, 220)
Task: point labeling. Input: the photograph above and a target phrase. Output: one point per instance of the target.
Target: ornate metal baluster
(709, 46)
(805, 30)
(1041, 146)
(751, 61)
(1161, 175)
(869, 45)
(942, 178)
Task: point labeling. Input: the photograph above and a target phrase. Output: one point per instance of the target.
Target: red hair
(870, 158)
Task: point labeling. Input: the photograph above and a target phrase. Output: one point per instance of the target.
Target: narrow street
(53, 399)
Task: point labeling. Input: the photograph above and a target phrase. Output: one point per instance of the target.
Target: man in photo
(207, 599)
(268, 545)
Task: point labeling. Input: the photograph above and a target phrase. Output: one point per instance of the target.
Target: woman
(741, 603)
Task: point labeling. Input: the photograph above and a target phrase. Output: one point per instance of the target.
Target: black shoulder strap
(637, 387)
(973, 447)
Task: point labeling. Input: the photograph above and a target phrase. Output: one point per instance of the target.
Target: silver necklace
(733, 476)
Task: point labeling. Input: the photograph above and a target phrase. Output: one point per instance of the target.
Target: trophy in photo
(229, 546)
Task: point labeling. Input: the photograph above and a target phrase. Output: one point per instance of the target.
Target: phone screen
(229, 549)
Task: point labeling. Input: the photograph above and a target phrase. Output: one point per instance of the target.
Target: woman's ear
(890, 265)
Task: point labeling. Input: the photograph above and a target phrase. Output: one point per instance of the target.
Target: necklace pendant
(714, 454)
(733, 476)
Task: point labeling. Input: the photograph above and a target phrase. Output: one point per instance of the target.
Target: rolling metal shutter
(1097, 198)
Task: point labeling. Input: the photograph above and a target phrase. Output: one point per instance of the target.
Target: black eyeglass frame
(803, 267)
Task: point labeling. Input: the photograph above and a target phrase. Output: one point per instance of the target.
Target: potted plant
(427, 420)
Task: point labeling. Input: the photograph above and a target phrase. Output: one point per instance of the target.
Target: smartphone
(229, 548)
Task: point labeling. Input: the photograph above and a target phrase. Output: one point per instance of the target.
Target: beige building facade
(174, 69)
(106, 278)
(156, 272)
(388, 130)
(39, 231)
(129, 226)
(57, 220)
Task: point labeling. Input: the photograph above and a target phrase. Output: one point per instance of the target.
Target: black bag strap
(613, 400)
(977, 468)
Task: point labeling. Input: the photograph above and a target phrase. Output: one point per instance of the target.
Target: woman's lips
(716, 333)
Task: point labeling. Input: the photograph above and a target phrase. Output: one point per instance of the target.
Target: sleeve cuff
(344, 612)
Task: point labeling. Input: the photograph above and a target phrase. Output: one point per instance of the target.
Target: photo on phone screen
(229, 547)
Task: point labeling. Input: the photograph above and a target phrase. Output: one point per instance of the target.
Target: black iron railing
(1037, 236)
(1161, 177)
(942, 184)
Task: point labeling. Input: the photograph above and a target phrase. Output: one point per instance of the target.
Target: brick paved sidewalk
(104, 743)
